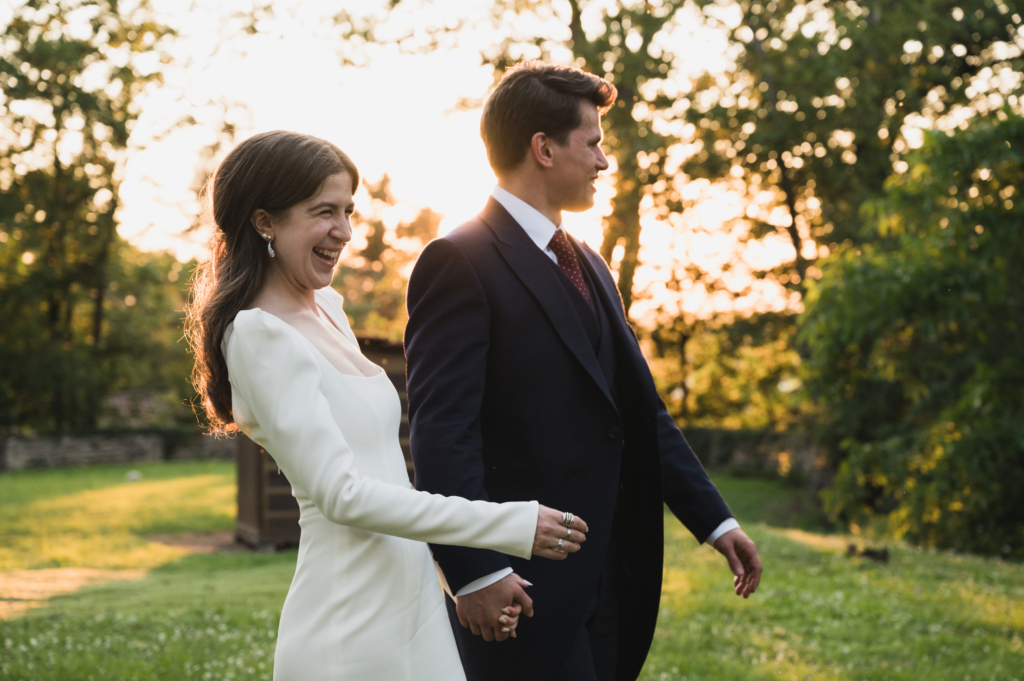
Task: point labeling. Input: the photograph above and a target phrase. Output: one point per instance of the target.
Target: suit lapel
(625, 338)
(607, 292)
(531, 267)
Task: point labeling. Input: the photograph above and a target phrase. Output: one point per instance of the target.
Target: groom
(526, 382)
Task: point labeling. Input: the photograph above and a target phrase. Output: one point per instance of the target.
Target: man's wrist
(727, 525)
(485, 581)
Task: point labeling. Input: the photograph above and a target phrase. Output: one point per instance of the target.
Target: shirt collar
(534, 223)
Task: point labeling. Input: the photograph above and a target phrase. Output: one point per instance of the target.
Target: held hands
(553, 539)
(744, 562)
(493, 611)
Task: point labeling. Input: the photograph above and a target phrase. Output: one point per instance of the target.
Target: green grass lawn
(818, 614)
(822, 615)
(94, 517)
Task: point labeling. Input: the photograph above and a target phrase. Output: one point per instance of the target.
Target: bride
(276, 359)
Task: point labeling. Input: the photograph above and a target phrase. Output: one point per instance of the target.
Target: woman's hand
(508, 620)
(553, 539)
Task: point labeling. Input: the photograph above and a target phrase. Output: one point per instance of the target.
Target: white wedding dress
(365, 603)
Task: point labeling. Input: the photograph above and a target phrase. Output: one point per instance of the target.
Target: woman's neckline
(380, 370)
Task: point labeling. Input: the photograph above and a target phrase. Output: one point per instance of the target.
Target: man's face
(576, 164)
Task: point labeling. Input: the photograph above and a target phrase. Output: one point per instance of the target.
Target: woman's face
(309, 237)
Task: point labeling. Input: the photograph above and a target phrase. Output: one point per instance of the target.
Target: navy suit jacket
(507, 402)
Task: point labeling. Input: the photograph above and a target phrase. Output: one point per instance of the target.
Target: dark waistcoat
(594, 320)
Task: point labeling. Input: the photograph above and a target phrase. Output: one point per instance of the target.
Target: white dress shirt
(540, 230)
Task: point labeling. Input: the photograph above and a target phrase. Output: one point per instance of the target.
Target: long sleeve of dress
(277, 390)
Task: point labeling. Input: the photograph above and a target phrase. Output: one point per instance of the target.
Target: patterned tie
(567, 260)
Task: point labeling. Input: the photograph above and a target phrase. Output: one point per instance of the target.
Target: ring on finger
(559, 546)
(568, 534)
(567, 518)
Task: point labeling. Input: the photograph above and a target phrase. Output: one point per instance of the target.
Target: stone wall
(18, 453)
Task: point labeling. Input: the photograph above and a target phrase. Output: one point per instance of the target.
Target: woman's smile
(327, 256)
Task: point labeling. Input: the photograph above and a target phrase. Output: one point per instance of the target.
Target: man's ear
(262, 223)
(540, 147)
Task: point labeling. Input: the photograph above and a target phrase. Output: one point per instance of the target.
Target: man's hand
(741, 553)
(480, 610)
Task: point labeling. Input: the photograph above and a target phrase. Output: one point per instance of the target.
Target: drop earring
(270, 245)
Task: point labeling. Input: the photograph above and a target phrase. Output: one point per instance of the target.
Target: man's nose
(602, 160)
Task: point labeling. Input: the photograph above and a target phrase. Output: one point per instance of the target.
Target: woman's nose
(342, 230)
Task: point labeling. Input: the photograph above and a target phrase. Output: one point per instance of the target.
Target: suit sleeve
(277, 384)
(689, 492)
(687, 489)
(446, 343)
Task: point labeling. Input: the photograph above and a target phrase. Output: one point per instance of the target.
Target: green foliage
(915, 345)
(815, 106)
(374, 282)
(812, 116)
(85, 314)
(59, 379)
(739, 375)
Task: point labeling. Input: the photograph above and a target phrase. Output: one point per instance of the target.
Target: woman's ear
(262, 223)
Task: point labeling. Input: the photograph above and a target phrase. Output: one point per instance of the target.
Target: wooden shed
(268, 515)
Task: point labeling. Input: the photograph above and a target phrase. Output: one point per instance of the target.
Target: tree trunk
(1015, 299)
(785, 182)
(622, 227)
(629, 230)
(97, 315)
(53, 261)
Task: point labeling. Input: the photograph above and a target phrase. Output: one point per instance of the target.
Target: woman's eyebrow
(323, 204)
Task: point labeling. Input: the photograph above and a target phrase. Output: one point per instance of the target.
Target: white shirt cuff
(728, 524)
(486, 580)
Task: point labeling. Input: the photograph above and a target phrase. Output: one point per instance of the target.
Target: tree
(915, 349)
(821, 102)
(70, 73)
(823, 95)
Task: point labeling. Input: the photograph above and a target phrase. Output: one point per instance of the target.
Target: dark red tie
(567, 260)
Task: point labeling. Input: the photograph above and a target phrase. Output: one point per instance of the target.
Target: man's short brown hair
(536, 97)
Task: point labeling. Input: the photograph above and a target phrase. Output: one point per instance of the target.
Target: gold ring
(559, 547)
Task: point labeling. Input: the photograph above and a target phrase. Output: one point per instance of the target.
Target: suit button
(614, 433)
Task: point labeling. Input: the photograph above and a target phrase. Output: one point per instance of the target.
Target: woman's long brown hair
(271, 171)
